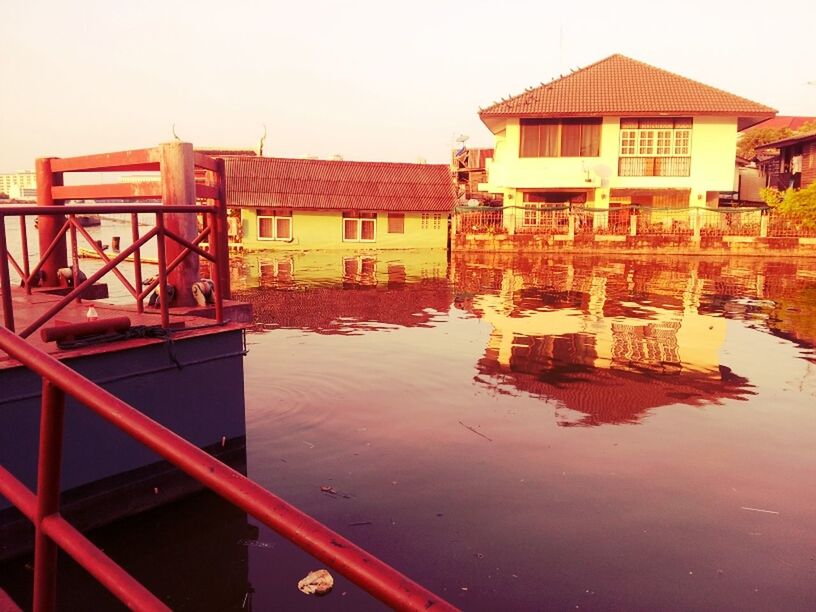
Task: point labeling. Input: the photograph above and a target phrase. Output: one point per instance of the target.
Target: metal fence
(570, 222)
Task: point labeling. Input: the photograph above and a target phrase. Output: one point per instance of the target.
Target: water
(521, 433)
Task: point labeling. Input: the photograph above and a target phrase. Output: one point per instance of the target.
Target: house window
(437, 221)
(359, 227)
(396, 223)
(655, 147)
(560, 138)
(274, 224)
(425, 219)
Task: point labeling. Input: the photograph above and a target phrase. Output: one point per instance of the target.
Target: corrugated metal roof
(317, 184)
(619, 85)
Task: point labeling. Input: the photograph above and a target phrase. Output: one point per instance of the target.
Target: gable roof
(317, 184)
(620, 86)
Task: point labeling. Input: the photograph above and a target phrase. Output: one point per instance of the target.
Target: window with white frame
(662, 137)
(274, 224)
(359, 226)
(658, 146)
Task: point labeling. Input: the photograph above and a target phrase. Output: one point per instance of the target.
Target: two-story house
(616, 133)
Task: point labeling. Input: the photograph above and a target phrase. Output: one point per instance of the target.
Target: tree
(808, 126)
(748, 141)
(798, 204)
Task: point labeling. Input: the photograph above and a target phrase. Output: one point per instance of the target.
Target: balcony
(654, 166)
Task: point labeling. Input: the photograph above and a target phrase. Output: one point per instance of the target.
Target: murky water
(517, 433)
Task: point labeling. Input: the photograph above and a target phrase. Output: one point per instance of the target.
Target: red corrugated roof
(790, 140)
(619, 85)
(784, 121)
(318, 184)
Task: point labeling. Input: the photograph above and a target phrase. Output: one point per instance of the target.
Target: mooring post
(178, 188)
(48, 226)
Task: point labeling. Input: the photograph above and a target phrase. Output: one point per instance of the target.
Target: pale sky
(369, 80)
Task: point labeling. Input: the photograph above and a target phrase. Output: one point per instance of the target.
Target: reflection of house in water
(591, 341)
(337, 294)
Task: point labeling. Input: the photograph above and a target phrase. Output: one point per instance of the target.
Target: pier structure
(112, 407)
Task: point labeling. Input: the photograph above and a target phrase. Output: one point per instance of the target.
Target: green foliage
(800, 204)
(746, 146)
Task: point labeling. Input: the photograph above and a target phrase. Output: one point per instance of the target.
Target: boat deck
(187, 321)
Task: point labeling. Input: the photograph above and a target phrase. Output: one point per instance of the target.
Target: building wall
(324, 230)
(16, 181)
(808, 164)
(713, 149)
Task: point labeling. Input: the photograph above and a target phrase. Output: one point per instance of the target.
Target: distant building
(298, 204)
(783, 122)
(12, 183)
(795, 165)
(616, 133)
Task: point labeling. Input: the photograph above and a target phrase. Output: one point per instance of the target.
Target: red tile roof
(783, 121)
(318, 184)
(620, 86)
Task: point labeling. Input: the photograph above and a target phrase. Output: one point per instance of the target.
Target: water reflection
(606, 342)
(331, 293)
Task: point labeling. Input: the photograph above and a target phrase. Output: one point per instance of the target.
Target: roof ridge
(651, 84)
(553, 80)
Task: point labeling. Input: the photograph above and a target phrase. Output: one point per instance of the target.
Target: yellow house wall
(324, 230)
(713, 149)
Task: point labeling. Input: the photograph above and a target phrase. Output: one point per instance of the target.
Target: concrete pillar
(48, 226)
(178, 188)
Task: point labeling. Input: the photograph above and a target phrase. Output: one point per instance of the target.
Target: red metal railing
(52, 531)
(73, 227)
(185, 178)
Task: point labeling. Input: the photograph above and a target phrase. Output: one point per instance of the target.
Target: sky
(368, 80)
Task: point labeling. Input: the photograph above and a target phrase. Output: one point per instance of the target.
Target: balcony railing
(654, 166)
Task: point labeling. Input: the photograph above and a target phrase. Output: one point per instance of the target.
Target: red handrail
(359, 566)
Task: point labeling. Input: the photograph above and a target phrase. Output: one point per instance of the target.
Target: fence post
(49, 465)
(571, 226)
(633, 220)
(48, 226)
(178, 188)
(763, 224)
(695, 222)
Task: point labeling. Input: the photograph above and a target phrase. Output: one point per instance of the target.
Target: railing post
(633, 221)
(5, 280)
(178, 188)
(48, 490)
(24, 244)
(161, 255)
(222, 255)
(763, 223)
(48, 226)
(695, 223)
(137, 260)
(571, 225)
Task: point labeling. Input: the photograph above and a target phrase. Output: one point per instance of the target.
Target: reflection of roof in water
(615, 396)
(336, 310)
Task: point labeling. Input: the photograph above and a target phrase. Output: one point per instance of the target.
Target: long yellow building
(305, 204)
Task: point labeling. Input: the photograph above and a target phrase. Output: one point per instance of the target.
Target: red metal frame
(52, 531)
(169, 159)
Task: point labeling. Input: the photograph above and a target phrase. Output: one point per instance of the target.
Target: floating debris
(255, 543)
(328, 489)
(318, 582)
(478, 433)
(758, 510)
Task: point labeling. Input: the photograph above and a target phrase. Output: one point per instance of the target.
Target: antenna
(174, 132)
